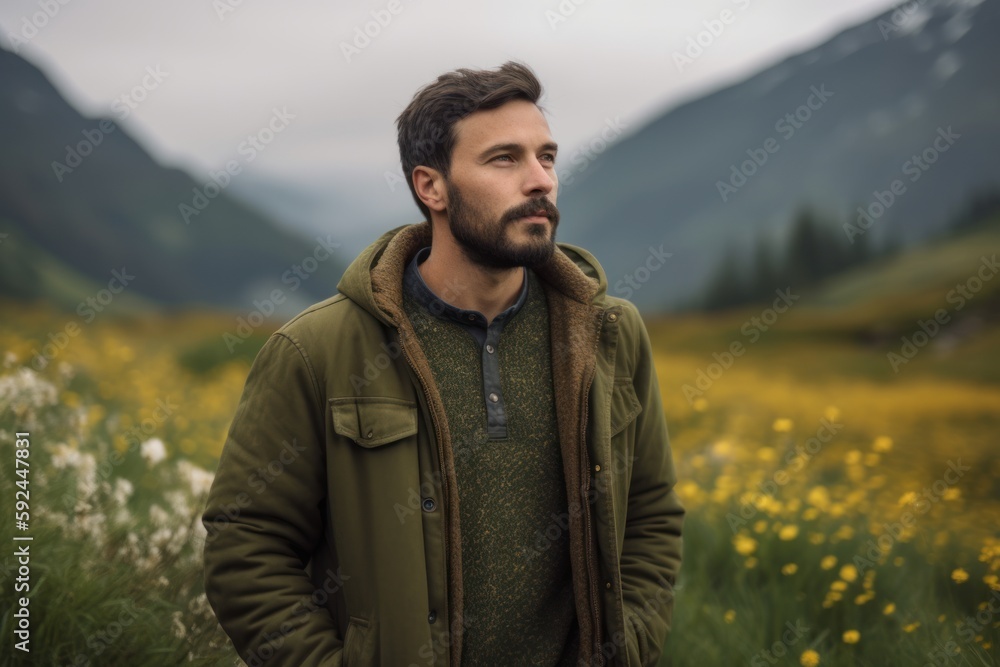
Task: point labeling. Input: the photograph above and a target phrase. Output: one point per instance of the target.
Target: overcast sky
(225, 65)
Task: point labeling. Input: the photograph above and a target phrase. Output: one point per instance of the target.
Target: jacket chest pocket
(373, 421)
(625, 405)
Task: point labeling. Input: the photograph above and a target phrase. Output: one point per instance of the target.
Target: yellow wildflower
(882, 444)
(809, 658)
(729, 616)
(851, 636)
(849, 572)
(789, 568)
(782, 425)
(828, 562)
(959, 575)
(744, 544)
(789, 532)
(910, 627)
(889, 608)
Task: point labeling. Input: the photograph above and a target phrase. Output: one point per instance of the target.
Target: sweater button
(431, 617)
(494, 397)
(489, 348)
(428, 504)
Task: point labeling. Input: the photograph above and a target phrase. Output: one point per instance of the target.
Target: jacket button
(494, 397)
(597, 468)
(429, 505)
(369, 434)
(607, 585)
(612, 317)
(431, 617)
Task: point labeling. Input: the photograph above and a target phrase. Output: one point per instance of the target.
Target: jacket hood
(374, 280)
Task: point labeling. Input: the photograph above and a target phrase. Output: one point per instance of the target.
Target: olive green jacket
(333, 533)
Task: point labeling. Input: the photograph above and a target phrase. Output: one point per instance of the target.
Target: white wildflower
(64, 456)
(153, 451)
(122, 491)
(86, 480)
(158, 515)
(25, 391)
(198, 479)
(178, 626)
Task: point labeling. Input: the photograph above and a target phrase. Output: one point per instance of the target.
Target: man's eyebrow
(514, 147)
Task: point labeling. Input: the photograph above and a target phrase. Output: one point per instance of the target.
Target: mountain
(80, 201)
(833, 127)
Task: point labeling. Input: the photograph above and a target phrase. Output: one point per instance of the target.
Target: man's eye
(551, 156)
(502, 156)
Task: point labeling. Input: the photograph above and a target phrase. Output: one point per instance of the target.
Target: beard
(485, 241)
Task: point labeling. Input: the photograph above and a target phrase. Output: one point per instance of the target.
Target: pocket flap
(372, 420)
(624, 404)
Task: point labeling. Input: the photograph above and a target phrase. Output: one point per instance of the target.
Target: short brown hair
(427, 125)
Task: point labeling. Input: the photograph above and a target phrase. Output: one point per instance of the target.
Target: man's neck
(470, 286)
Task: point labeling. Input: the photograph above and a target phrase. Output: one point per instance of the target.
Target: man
(462, 457)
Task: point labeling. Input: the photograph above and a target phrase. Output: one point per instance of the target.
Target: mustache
(529, 208)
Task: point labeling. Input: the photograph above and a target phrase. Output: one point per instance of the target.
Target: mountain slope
(880, 93)
(81, 192)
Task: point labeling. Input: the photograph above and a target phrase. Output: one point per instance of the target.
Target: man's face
(502, 175)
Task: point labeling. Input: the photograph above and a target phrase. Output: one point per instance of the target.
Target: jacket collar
(374, 280)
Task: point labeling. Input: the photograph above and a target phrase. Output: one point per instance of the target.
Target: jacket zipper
(589, 549)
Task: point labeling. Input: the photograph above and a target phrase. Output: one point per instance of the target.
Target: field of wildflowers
(838, 513)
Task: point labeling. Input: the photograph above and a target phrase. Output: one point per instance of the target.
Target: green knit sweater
(512, 493)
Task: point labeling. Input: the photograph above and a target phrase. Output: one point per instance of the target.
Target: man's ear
(429, 186)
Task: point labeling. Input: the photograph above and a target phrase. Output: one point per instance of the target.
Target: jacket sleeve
(651, 552)
(264, 516)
